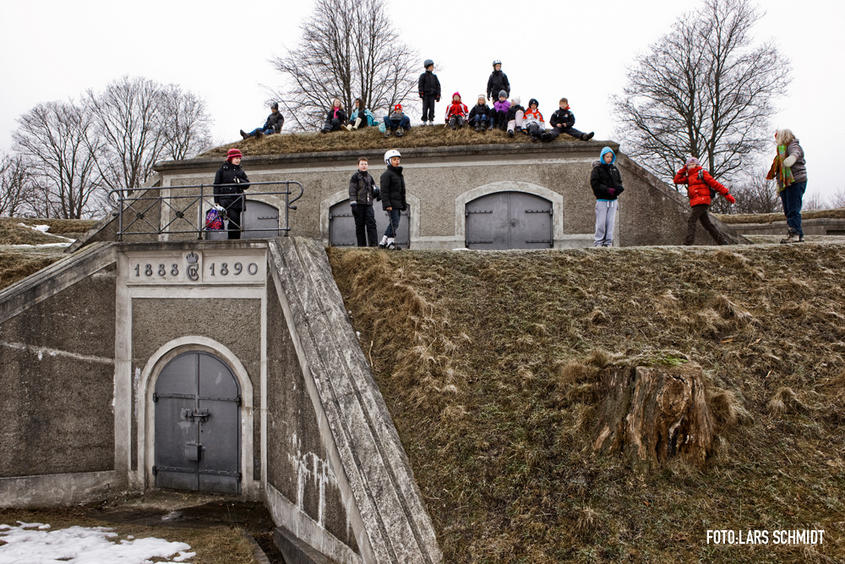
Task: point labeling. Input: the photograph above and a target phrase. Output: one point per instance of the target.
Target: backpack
(213, 220)
(701, 178)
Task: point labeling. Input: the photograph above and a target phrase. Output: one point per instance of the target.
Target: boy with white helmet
(392, 189)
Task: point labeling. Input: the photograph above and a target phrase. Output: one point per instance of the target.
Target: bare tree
(59, 145)
(17, 189)
(703, 90)
(837, 199)
(186, 127)
(814, 201)
(349, 49)
(754, 194)
(139, 122)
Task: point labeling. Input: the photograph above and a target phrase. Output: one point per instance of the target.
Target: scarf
(782, 173)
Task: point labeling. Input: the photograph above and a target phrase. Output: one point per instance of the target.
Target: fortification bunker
(497, 196)
(167, 360)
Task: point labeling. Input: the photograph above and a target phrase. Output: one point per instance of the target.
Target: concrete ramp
(364, 447)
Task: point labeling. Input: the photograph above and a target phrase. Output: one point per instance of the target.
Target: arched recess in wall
(509, 186)
(343, 195)
(146, 385)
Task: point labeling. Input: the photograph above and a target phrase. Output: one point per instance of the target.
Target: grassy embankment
(488, 364)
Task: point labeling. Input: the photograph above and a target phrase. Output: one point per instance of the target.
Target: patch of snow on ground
(32, 542)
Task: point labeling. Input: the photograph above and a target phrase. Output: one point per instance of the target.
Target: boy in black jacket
(497, 81)
(274, 124)
(362, 192)
(429, 88)
(479, 115)
(562, 121)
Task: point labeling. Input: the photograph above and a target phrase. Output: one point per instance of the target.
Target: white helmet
(390, 154)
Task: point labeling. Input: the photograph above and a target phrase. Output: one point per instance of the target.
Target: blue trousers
(791, 198)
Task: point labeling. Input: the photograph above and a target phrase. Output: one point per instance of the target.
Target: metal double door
(197, 425)
(509, 220)
(342, 225)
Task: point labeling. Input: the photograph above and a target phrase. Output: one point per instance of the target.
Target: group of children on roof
(506, 115)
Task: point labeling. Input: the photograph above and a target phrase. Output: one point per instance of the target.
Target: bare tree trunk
(653, 414)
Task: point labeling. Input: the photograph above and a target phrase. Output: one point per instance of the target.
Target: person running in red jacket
(699, 184)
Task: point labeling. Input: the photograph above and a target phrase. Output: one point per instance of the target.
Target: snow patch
(32, 542)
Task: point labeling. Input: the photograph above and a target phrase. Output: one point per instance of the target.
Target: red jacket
(699, 183)
(456, 109)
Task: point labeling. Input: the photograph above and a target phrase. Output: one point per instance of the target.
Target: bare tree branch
(17, 189)
(348, 50)
(703, 90)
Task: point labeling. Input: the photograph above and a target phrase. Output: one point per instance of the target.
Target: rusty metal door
(509, 220)
(197, 425)
(342, 225)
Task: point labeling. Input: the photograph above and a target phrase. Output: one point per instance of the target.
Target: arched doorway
(509, 220)
(261, 221)
(342, 225)
(197, 425)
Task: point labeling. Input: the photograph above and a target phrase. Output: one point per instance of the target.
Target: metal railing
(185, 208)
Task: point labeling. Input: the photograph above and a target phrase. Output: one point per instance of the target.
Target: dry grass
(488, 361)
(18, 264)
(369, 139)
(838, 213)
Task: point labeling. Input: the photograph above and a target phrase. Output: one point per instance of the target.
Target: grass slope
(487, 362)
(369, 139)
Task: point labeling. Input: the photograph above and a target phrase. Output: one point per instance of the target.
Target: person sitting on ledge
(563, 120)
(274, 124)
(335, 117)
(456, 112)
(479, 115)
(397, 122)
(360, 117)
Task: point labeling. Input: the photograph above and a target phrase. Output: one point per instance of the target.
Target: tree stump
(652, 414)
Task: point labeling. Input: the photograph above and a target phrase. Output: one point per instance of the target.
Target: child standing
(456, 112)
(563, 121)
(533, 121)
(500, 111)
(392, 197)
(479, 115)
(397, 122)
(516, 115)
(361, 195)
(335, 117)
(497, 82)
(429, 88)
(699, 183)
(607, 185)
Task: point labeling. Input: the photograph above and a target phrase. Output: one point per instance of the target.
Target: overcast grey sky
(220, 50)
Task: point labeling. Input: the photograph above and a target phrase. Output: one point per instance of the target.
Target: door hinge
(155, 397)
(240, 400)
(155, 470)
(240, 476)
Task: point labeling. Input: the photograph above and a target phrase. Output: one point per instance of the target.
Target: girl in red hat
(229, 185)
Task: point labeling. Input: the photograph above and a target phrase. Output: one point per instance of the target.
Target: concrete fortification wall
(85, 342)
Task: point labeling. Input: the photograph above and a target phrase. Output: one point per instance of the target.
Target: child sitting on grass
(360, 117)
(516, 115)
(456, 112)
(479, 115)
(535, 125)
(500, 111)
(335, 117)
(397, 122)
(563, 121)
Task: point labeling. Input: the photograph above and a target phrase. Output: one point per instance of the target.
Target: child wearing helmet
(396, 122)
(479, 115)
(497, 82)
(456, 112)
(392, 191)
(533, 121)
(272, 125)
(500, 111)
(429, 88)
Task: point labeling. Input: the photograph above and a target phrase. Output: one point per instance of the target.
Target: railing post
(120, 215)
(200, 222)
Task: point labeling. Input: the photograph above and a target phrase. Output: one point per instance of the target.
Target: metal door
(197, 425)
(342, 225)
(509, 220)
(258, 216)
